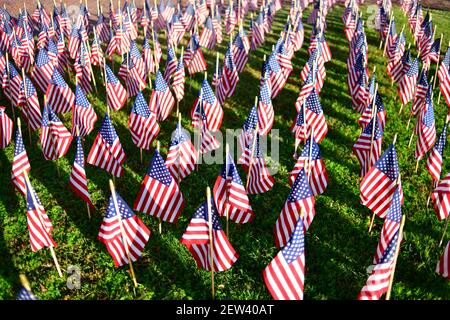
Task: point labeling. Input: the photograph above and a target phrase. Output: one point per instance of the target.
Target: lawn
(338, 245)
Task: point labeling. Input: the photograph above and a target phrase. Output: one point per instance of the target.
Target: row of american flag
(160, 196)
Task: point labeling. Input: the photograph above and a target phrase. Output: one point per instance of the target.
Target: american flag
(135, 79)
(20, 164)
(102, 29)
(300, 199)
(63, 55)
(434, 161)
(83, 69)
(55, 138)
(142, 123)
(161, 100)
(196, 239)
(391, 226)
(147, 57)
(177, 29)
(285, 274)
(229, 79)
(201, 12)
(11, 84)
(257, 29)
(208, 35)
(123, 235)
(426, 129)
(420, 90)
(434, 53)
(277, 79)
(380, 112)
(378, 281)
(240, 50)
(116, 95)
(230, 19)
(24, 294)
(266, 113)
(182, 155)
(402, 67)
(6, 126)
(59, 94)
(171, 63)
(106, 151)
(441, 198)
(208, 141)
(188, 17)
(230, 195)
(179, 80)
(298, 34)
(193, 57)
(74, 42)
(379, 184)
(259, 180)
(408, 82)
(315, 117)
(247, 134)
(160, 195)
(157, 48)
(360, 94)
(367, 148)
(83, 115)
(284, 59)
(210, 108)
(306, 89)
(397, 55)
(78, 180)
(444, 77)
(442, 266)
(96, 52)
(317, 174)
(217, 24)
(39, 225)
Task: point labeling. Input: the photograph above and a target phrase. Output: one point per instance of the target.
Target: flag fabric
(229, 194)
(390, 228)
(266, 113)
(444, 77)
(193, 57)
(229, 79)
(277, 78)
(147, 57)
(161, 100)
(11, 84)
(441, 198)
(378, 281)
(240, 50)
(260, 180)
(39, 224)
(314, 116)
(442, 266)
(426, 129)
(367, 148)
(179, 80)
(300, 199)
(159, 195)
(285, 274)
(24, 294)
(83, 115)
(402, 67)
(55, 138)
(380, 182)
(420, 91)
(116, 95)
(59, 94)
(78, 180)
(123, 235)
(142, 123)
(407, 83)
(20, 164)
(30, 103)
(317, 173)
(182, 155)
(208, 141)
(208, 107)
(6, 126)
(258, 32)
(248, 129)
(197, 241)
(106, 151)
(434, 161)
(208, 35)
(171, 63)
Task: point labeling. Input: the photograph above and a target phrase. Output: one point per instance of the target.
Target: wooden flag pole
(387, 36)
(251, 156)
(26, 97)
(374, 113)
(211, 248)
(397, 250)
(124, 236)
(217, 73)
(24, 282)
(52, 251)
(308, 172)
(227, 152)
(445, 230)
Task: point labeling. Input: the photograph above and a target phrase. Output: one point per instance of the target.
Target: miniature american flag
(59, 94)
(426, 129)
(6, 126)
(441, 198)
(285, 275)
(142, 123)
(55, 138)
(116, 95)
(266, 113)
(123, 235)
(20, 164)
(161, 100)
(83, 115)
(30, 102)
(434, 161)
(78, 180)
(407, 83)
(159, 195)
(442, 266)
(196, 239)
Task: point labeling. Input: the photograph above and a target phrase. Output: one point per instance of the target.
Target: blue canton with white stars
(107, 130)
(124, 210)
(315, 150)
(252, 120)
(440, 145)
(300, 189)
(79, 155)
(202, 213)
(395, 210)
(158, 170)
(313, 103)
(160, 83)
(296, 245)
(140, 106)
(24, 294)
(80, 98)
(58, 79)
(388, 163)
(208, 94)
(110, 77)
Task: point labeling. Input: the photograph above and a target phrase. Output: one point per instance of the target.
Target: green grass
(338, 245)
